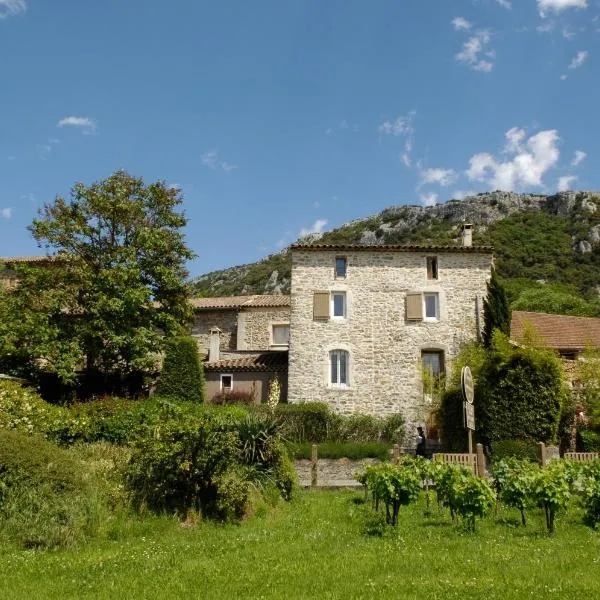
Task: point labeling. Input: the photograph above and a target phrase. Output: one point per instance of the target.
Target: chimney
(214, 348)
(467, 234)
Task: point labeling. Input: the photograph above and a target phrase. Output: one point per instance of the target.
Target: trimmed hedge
(520, 449)
(350, 450)
(182, 375)
(590, 440)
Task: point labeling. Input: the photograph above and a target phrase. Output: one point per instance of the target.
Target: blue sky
(279, 117)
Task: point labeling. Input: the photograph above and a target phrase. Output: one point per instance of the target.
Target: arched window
(339, 361)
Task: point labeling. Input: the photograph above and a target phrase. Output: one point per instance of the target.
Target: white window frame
(282, 324)
(435, 318)
(221, 381)
(332, 305)
(335, 273)
(338, 384)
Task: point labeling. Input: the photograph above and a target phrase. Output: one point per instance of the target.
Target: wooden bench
(465, 460)
(581, 456)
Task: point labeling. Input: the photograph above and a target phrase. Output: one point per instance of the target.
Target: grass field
(314, 548)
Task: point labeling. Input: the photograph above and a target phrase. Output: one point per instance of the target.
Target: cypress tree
(496, 312)
(182, 375)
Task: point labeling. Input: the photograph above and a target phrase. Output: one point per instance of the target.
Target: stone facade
(248, 328)
(384, 348)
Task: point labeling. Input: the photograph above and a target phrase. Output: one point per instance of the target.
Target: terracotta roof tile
(9, 260)
(264, 361)
(234, 302)
(556, 331)
(394, 248)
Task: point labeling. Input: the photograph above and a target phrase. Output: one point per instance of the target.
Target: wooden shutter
(414, 306)
(321, 305)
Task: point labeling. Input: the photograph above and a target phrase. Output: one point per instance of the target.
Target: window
(433, 363)
(338, 360)
(341, 264)
(226, 383)
(338, 305)
(280, 335)
(432, 307)
(432, 267)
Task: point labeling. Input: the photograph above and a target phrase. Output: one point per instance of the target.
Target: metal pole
(470, 442)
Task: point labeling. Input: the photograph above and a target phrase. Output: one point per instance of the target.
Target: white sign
(466, 384)
(469, 416)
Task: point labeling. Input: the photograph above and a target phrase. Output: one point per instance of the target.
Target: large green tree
(114, 289)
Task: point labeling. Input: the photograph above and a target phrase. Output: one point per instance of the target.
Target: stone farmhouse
(365, 329)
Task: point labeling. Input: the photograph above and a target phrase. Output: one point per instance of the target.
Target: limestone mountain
(538, 240)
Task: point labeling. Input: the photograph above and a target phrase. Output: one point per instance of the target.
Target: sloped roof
(560, 332)
(234, 302)
(394, 248)
(263, 361)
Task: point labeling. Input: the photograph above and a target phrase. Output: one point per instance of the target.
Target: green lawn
(314, 548)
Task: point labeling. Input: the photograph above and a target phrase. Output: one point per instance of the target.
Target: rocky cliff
(537, 237)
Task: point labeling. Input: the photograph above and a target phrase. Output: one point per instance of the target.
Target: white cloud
(579, 157)
(442, 177)
(461, 23)
(6, 213)
(514, 139)
(211, 160)
(317, 228)
(564, 183)
(579, 59)
(546, 27)
(546, 6)
(462, 194)
(473, 48)
(9, 8)
(527, 167)
(505, 4)
(429, 199)
(87, 125)
(402, 125)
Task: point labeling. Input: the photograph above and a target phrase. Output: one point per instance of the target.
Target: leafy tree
(548, 300)
(115, 288)
(182, 375)
(496, 313)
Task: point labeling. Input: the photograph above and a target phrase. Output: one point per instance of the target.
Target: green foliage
(496, 313)
(551, 491)
(519, 449)
(514, 481)
(205, 463)
(46, 496)
(519, 394)
(451, 418)
(591, 493)
(588, 373)
(547, 300)
(394, 486)
(350, 450)
(116, 287)
(182, 375)
(590, 440)
(234, 397)
(474, 499)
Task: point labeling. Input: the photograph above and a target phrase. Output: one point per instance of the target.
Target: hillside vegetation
(547, 247)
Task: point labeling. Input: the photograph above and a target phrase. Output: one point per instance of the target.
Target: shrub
(590, 440)
(306, 422)
(46, 496)
(182, 374)
(591, 493)
(350, 450)
(514, 482)
(451, 419)
(519, 449)
(474, 498)
(551, 491)
(234, 397)
(519, 394)
(21, 408)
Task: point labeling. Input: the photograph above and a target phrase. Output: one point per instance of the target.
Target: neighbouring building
(9, 277)
(569, 336)
(368, 321)
(244, 342)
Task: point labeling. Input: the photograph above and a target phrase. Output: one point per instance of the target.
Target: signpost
(468, 392)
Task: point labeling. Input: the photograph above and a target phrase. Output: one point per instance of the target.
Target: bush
(519, 449)
(451, 419)
(519, 394)
(551, 491)
(21, 408)
(590, 440)
(182, 374)
(514, 480)
(350, 450)
(234, 397)
(46, 496)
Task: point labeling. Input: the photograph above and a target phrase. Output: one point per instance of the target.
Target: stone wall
(246, 381)
(225, 320)
(385, 349)
(255, 324)
(331, 472)
(246, 329)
